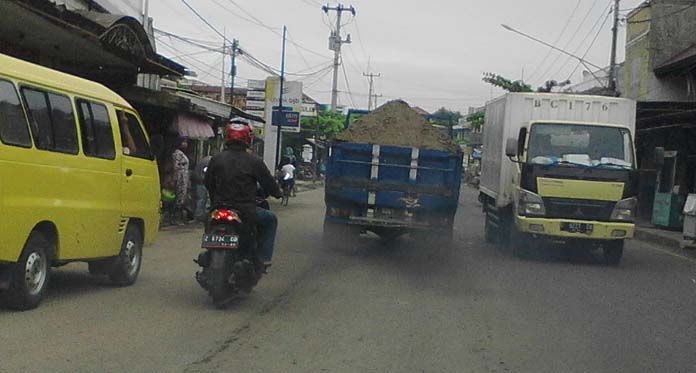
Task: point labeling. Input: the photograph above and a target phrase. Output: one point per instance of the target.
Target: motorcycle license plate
(216, 241)
(577, 227)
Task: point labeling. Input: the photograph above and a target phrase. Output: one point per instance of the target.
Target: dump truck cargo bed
(382, 187)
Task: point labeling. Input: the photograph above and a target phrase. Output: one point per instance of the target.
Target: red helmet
(238, 131)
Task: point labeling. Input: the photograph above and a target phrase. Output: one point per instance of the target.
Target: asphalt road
(406, 307)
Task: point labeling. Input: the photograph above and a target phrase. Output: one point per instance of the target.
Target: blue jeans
(267, 227)
(200, 194)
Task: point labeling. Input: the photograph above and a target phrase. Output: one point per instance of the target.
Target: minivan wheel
(31, 274)
(127, 263)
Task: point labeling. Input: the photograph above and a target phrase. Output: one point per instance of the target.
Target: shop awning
(193, 127)
(241, 113)
(216, 108)
(80, 39)
(681, 63)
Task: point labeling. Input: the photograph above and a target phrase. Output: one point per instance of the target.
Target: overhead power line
(600, 22)
(206, 22)
(570, 41)
(345, 77)
(252, 21)
(244, 53)
(599, 32)
(197, 43)
(558, 39)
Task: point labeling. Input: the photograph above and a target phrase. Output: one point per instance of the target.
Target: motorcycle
(228, 262)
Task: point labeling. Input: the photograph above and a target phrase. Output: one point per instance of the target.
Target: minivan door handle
(129, 172)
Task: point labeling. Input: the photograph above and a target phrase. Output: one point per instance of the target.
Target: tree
(330, 123)
(519, 85)
(446, 117)
(506, 84)
(476, 119)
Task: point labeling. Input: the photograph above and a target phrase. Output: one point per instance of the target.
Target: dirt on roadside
(397, 124)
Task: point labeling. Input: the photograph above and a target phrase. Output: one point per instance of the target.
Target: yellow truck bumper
(552, 228)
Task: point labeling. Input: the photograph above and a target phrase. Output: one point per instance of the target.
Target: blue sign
(288, 119)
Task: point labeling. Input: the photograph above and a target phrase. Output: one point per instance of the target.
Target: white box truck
(561, 168)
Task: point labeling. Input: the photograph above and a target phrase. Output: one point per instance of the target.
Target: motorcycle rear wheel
(217, 279)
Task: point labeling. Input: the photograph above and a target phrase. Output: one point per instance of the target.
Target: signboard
(292, 93)
(255, 105)
(260, 95)
(287, 119)
(257, 85)
(309, 110)
(292, 103)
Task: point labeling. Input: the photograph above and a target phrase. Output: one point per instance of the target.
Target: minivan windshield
(580, 144)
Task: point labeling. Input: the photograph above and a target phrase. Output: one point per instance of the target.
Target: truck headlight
(625, 210)
(530, 204)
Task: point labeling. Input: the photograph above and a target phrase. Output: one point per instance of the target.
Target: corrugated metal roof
(193, 127)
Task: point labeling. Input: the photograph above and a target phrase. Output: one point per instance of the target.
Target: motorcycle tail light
(225, 215)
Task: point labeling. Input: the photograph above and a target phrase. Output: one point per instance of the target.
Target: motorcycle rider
(232, 179)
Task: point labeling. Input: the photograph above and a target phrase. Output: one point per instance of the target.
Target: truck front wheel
(613, 252)
(519, 243)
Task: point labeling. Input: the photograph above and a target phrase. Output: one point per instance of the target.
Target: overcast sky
(431, 54)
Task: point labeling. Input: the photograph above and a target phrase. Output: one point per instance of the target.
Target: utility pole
(615, 36)
(222, 80)
(370, 94)
(233, 68)
(145, 13)
(281, 117)
(335, 42)
(374, 106)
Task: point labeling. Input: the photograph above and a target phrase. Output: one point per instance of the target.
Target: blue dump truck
(392, 173)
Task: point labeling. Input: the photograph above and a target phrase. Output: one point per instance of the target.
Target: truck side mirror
(659, 157)
(511, 148)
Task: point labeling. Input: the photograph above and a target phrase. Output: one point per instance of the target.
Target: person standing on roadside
(181, 177)
(200, 192)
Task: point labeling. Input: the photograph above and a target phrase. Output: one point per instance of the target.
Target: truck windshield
(579, 144)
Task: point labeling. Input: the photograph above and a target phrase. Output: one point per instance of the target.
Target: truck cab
(574, 180)
(563, 180)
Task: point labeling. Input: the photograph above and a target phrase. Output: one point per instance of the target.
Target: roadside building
(660, 73)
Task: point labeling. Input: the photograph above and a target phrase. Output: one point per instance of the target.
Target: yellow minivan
(78, 181)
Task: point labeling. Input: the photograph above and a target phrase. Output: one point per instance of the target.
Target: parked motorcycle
(228, 262)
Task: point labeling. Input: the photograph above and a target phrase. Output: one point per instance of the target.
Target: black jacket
(232, 178)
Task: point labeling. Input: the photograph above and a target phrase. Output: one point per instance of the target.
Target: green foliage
(476, 119)
(446, 117)
(330, 123)
(506, 84)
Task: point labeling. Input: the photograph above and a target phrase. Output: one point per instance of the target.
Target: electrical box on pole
(335, 43)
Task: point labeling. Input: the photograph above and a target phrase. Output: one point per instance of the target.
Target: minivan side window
(95, 124)
(132, 136)
(52, 120)
(14, 129)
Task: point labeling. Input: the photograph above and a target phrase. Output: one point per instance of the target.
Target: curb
(667, 242)
(658, 239)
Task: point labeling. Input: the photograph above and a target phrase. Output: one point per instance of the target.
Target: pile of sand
(396, 124)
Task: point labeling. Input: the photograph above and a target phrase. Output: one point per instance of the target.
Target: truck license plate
(216, 241)
(577, 227)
